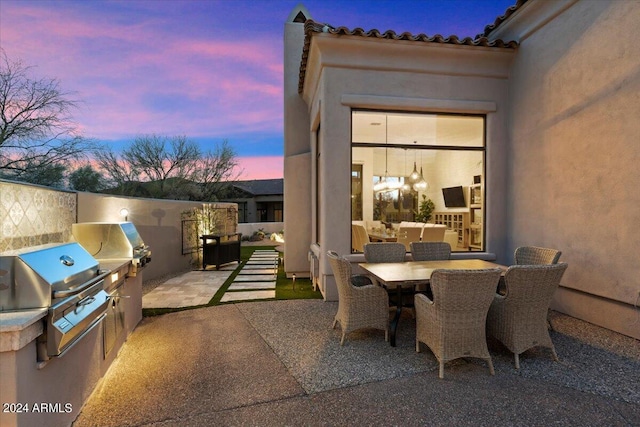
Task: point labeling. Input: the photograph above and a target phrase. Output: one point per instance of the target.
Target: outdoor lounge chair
(453, 324)
(519, 318)
(359, 307)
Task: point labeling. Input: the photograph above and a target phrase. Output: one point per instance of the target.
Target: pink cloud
(118, 67)
(261, 167)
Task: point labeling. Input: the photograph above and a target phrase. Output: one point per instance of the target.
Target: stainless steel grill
(113, 240)
(65, 279)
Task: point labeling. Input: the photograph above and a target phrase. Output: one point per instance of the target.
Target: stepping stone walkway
(256, 280)
(190, 289)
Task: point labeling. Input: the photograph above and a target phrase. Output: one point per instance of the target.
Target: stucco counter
(60, 385)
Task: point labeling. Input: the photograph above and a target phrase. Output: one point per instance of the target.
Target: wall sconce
(124, 212)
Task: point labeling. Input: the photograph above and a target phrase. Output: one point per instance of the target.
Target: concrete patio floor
(275, 363)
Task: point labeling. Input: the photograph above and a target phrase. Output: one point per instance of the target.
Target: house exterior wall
(297, 155)
(574, 155)
(354, 72)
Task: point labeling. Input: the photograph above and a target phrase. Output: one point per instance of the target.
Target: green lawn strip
(303, 288)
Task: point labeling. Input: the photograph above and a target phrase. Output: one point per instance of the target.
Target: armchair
(519, 318)
(453, 324)
(359, 307)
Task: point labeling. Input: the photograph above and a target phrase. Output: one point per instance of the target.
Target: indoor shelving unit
(456, 221)
(476, 228)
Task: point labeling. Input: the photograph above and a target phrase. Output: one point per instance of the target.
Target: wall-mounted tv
(454, 197)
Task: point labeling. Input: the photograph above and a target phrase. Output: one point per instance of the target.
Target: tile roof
(262, 187)
(500, 19)
(311, 27)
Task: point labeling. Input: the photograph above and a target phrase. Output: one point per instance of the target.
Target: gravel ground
(279, 363)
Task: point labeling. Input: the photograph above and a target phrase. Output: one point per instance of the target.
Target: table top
(382, 237)
(420, 271)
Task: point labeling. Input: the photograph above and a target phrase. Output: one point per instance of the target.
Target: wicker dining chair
(519, 318)
(533, 255)
(359, 307)
(389, 252)
(384, 252)
(430, 251)
(453, 324)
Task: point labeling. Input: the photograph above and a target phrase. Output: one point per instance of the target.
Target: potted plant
(426, 210)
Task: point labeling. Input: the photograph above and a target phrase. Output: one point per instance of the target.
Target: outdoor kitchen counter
(19, 328)
(67, 380)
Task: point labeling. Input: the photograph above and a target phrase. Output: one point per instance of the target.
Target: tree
(118, 172)
(215, 170)
(159, 158)
(85, 178)
(49, 174)
(171, 167)
(36, 127)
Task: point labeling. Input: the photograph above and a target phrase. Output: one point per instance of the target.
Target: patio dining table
(408, 274)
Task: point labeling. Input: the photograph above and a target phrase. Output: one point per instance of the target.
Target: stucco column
(297, 152)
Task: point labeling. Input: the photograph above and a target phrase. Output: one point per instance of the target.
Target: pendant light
(414, 177)
(421, 183)
(384, 184)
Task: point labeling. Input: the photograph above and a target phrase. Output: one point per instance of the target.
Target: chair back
(531, 287)
(465, 294)
(406, 235)
(430, 251)
(384, 252)
(359, 237)
(433, 232)
(342, 273)
(533, 255)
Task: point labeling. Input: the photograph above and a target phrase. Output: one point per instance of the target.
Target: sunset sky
(208, 69)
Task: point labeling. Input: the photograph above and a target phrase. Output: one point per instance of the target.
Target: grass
(286, 288)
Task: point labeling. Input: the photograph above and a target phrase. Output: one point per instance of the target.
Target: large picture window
(411, 169)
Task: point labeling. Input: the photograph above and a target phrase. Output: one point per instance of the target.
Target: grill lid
(62, 266)
(106, 240)
(31, 277)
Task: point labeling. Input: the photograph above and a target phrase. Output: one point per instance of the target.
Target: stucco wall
(575, 153)
(340, 80)
(297, 154)
(157, 221)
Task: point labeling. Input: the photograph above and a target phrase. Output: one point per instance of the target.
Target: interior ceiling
(413, 130)
(418, 129)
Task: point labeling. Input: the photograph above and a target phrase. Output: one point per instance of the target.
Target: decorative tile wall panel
(33, 215)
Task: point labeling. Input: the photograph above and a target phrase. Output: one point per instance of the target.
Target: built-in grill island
(113, 240)
(66, 309)
(63, 278)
